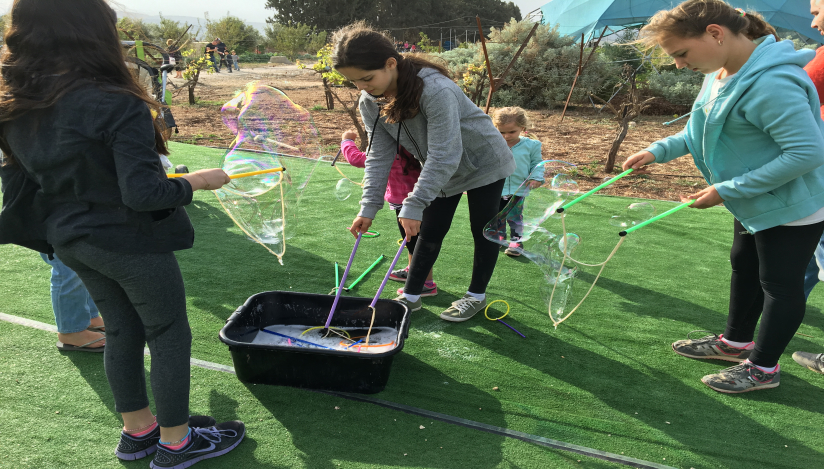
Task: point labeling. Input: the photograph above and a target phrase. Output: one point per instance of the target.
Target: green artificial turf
(605, 379)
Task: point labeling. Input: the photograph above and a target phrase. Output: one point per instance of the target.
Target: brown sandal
(82, 348)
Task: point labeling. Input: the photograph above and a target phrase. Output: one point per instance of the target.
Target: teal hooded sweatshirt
(761, 142)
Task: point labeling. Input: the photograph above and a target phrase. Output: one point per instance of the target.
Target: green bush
(676, 86)
(254, 58)
(543, 74)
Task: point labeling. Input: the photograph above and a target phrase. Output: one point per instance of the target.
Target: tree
(627, 110)
(542, 75)
(168, 29)
(295, 38)
(131, 29)
(401, 18)
(236, 34)
(331, 77)
(195, 65)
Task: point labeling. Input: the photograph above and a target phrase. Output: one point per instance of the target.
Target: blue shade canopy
(589, 17)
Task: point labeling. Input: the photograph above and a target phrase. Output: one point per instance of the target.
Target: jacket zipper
(417, 149)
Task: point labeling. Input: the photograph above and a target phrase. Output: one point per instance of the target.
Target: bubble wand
(656, 218)
(380, 290)
(238, 175)
(594, 190)
(364, 274)
(340, 286)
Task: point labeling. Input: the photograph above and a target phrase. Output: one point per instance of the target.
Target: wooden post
(575, 81)
(488, 66)
(582, 65)
(330, 101)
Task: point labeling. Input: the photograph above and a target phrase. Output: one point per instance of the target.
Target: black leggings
(437, 219)
(142, 299)
(768, 282)
(410, 245)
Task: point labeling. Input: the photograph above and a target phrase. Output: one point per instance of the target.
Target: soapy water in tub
(382, 339)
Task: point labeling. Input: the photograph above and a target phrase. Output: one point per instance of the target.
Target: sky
(248, 10)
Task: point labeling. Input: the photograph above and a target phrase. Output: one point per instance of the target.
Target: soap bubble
(606, 179)
(343, 189)
(633, 215)
(271, 132)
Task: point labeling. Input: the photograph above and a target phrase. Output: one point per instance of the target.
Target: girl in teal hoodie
(755, 133)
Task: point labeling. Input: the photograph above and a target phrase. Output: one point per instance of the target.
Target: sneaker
(412, 306)
(813, 361)
(743, 377)
(130, 448)
(429, 289)
(400, 275)
(515, 249)
(206, 443)
(463, 309)
(710, 347)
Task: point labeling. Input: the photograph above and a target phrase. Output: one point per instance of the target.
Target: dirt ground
(583, 138)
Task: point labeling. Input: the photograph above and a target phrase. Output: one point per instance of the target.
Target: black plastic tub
(311, 368)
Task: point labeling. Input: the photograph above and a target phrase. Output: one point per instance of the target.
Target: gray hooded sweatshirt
(457, 144)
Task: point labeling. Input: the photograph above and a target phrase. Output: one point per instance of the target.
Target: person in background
(79, 325)
(210, 50)
(512, 122)
(815, 269)
(236, 61)
(223, 55)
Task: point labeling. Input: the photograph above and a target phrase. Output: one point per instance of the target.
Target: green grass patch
(605, 379)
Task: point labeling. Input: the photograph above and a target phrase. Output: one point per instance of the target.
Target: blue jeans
(814, 270)
(72, 305)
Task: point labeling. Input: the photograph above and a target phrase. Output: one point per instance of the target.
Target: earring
(720, 43)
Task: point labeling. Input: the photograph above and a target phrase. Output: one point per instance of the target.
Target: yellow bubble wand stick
(239, 175)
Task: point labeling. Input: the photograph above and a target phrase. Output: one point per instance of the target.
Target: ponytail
(691, 18)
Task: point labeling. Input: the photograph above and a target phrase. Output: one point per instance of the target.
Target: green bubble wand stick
(602, 265)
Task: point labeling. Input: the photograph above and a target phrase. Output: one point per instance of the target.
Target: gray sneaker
(743, 377)
(710, 347)
(813, 361)
(412, 306)
(463, 309)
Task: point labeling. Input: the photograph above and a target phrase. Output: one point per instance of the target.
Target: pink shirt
(399, 185)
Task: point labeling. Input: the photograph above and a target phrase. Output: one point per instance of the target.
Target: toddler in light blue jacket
(512, 122)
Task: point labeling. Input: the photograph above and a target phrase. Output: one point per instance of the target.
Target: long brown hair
(359, 46)
(55, 46)
(691, 18)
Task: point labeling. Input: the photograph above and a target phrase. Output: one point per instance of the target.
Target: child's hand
(360, 225)
(638, 160)
(704, 199)
(349, 135)
(410, 227)
(533, 184)
(208, 179)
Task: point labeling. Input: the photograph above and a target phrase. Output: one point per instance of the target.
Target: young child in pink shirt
(402, 178)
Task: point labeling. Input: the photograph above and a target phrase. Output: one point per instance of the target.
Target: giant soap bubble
(549, 239)
(271, 131)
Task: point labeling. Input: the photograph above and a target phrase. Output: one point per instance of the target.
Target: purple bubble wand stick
(380, 290)
(342, 283)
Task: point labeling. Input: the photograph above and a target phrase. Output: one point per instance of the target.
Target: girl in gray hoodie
(411, 102)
